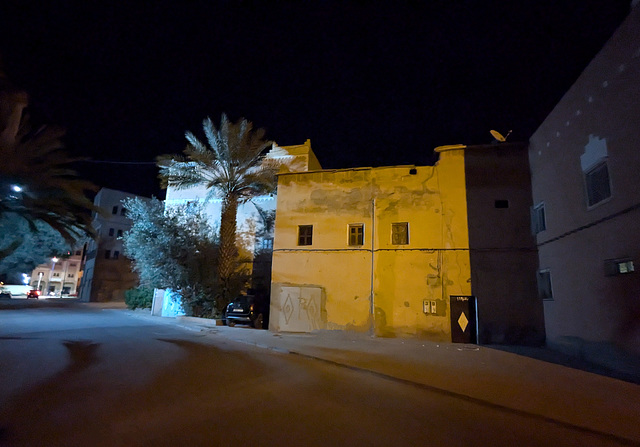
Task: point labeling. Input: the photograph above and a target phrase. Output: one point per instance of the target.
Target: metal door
(463, 319)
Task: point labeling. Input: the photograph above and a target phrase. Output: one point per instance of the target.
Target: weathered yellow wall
(434, 265)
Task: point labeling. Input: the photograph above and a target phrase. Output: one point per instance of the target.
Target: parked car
(33, 294)
(5, 294)
(248, 309)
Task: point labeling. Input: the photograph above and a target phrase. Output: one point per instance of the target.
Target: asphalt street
(87, 376)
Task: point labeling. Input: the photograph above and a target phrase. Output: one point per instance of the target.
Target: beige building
(585, 159)
(107, 272)
(60, 276)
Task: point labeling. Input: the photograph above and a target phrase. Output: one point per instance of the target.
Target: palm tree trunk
(228, 249)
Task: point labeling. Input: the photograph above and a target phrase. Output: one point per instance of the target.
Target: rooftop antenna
(498, 136)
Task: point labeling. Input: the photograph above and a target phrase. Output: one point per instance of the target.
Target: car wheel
(258, 322)
(231, 323)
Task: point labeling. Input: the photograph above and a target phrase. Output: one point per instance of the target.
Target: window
(56, 275)
(70, 275)
(123, 211)
(400, 233)
(597, 183)
(116, 254)
(114, 210)
(107, 254)
(119, 233)
(305, 234)
(501, 204)
(356, 234)
(544, 285)
(111, 231)
(267, 244)
(538, 219)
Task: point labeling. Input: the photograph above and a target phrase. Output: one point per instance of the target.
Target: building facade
(60, 276)
(107, 272)
(584, 160)
(388, 250)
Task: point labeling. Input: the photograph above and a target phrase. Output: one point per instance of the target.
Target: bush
(141, 297)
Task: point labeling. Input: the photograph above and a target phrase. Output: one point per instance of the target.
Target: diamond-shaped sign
(288, 309)
(463, 321)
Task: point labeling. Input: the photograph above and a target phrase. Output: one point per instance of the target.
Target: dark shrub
(141, 297)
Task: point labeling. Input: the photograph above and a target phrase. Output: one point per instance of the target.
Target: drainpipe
(371, 301)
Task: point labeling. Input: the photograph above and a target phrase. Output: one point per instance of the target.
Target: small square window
(116, 254)
(119, 233)
(114, 210)
(107, 254)
(598, 184)
(544, 285)
(538, 219)
(356, 234)
(400, 233)
(111, 231)
(305, 234)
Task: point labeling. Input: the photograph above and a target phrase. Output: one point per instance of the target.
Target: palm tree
(36, 182)
(233, 168)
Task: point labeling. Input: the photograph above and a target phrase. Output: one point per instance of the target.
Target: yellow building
(356, 246)
(443, 252)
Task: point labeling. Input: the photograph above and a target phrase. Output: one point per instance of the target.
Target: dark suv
(248, 309)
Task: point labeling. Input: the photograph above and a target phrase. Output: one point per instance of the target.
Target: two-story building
(585, 163)
(396, 250)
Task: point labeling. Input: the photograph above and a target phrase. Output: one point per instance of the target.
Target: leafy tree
(31, 249)
(36, 182)
(232, 167)
(173, 249)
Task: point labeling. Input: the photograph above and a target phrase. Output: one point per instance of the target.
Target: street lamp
(53, 266)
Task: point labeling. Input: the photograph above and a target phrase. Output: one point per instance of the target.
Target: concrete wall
(599, 115)
(332, 285)
(504, 256)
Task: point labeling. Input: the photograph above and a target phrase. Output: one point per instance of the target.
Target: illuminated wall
(340, 282)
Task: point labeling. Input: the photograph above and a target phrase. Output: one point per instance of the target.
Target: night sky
(370, 83)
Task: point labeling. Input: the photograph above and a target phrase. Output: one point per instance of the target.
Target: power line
(120, 162)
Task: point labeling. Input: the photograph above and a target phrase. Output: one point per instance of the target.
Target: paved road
(90, 377)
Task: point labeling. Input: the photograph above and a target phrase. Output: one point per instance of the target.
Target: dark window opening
(502, 204)
(400, 233)
(544, 285)
(114, 210)
(107, 254)
(598, 184)
(305, 234)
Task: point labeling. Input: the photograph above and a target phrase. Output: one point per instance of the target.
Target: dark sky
(370, 83)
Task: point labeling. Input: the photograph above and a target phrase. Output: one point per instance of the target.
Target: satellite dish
(498, 136)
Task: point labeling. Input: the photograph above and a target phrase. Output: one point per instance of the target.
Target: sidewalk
(493, 378)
